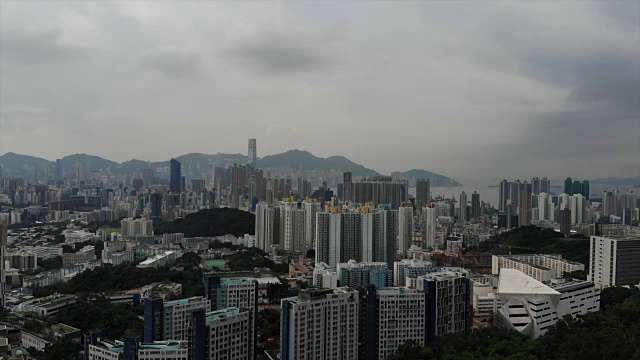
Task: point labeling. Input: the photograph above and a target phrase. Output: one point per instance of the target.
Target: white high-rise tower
(253, 152)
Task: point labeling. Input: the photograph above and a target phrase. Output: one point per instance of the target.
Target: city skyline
(520, 83)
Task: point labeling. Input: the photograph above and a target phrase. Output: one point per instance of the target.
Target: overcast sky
(465, 89)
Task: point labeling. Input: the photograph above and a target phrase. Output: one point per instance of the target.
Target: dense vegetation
(127, 276)
(211, 222)
(612, 333)
(250, 258)
(533, 239)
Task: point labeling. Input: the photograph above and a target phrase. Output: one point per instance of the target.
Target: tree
(311, 254)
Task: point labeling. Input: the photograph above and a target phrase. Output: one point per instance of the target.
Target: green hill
(298, 159)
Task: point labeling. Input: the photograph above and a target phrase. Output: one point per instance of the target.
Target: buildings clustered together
(388, 266)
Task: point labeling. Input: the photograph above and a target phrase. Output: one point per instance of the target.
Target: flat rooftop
(514, 281)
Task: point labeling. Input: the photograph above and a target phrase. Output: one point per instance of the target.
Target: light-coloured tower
(252, 156)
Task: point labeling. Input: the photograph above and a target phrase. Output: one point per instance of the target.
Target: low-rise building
(47, 306)
(163, 259)
(32, 340)
(541, 267)
(531, 307)
(324, 276)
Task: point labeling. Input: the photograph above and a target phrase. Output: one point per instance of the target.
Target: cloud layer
(466, 89)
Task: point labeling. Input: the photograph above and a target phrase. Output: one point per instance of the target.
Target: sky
(491, 90)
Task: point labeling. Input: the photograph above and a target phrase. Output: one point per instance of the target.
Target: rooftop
(221, 314)
(514, 281)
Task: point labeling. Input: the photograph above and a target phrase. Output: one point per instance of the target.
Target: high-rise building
(324, 276)
(410, 269)
(3, 246)
(310, 211)
(59, 177)
(221, 334)
(423, 193)
(239, 292)
(366, 235)
(355, 274)
(380, 190)
(430, 216)
(504, 195)
(585, 189)
(320, 324)
(576, 187)
(153, 320)
(524, 205)
(565, 223)
(447, 302)
(462, 210)
(475, 205)
(545, 207)
(147, 177)
(155, 200)
(80, 171)
(405, 228)
(614, 260)
(252, 155)
(267, 226)
(174, 321)
(568, 186)
(175, 171)
(348, 185)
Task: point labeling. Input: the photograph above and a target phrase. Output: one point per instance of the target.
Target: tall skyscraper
(80, 171)
(504, 195)
(169, 320)
(347, 184)
(568, 183)
(155, 200)
(423, 193)
(576, 187)
(585, 189)
(463, 215)
(252, 155)
(429, 226)
(524, 205)
(3, 245)
(405, 228)
(59, 177)
(475, 205)
(447, 302)
(175, 172)
(147, 177)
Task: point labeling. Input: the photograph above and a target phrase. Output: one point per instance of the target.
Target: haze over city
(485, 90)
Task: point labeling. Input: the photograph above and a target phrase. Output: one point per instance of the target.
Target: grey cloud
(42, 47)
(281, 54)
(180, 64)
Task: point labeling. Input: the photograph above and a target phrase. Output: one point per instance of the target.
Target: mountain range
(290, 161)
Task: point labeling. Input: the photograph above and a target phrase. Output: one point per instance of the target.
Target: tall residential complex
(463, 214)
(3, 247)
(406, 268)
(366, 235)
(252, 154)
(447, 302)
(381, 190)
(175, 171)
(221, 334)
(235, 292)
(476, 210)
(354, 274)
(423, 193)
(287, 225)
(372, 322)
(613, 261)
(429, 216)
(405, 228)
(169, 320)
(524, 205)
(347, 180)
(539, 186)
(320, 324)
